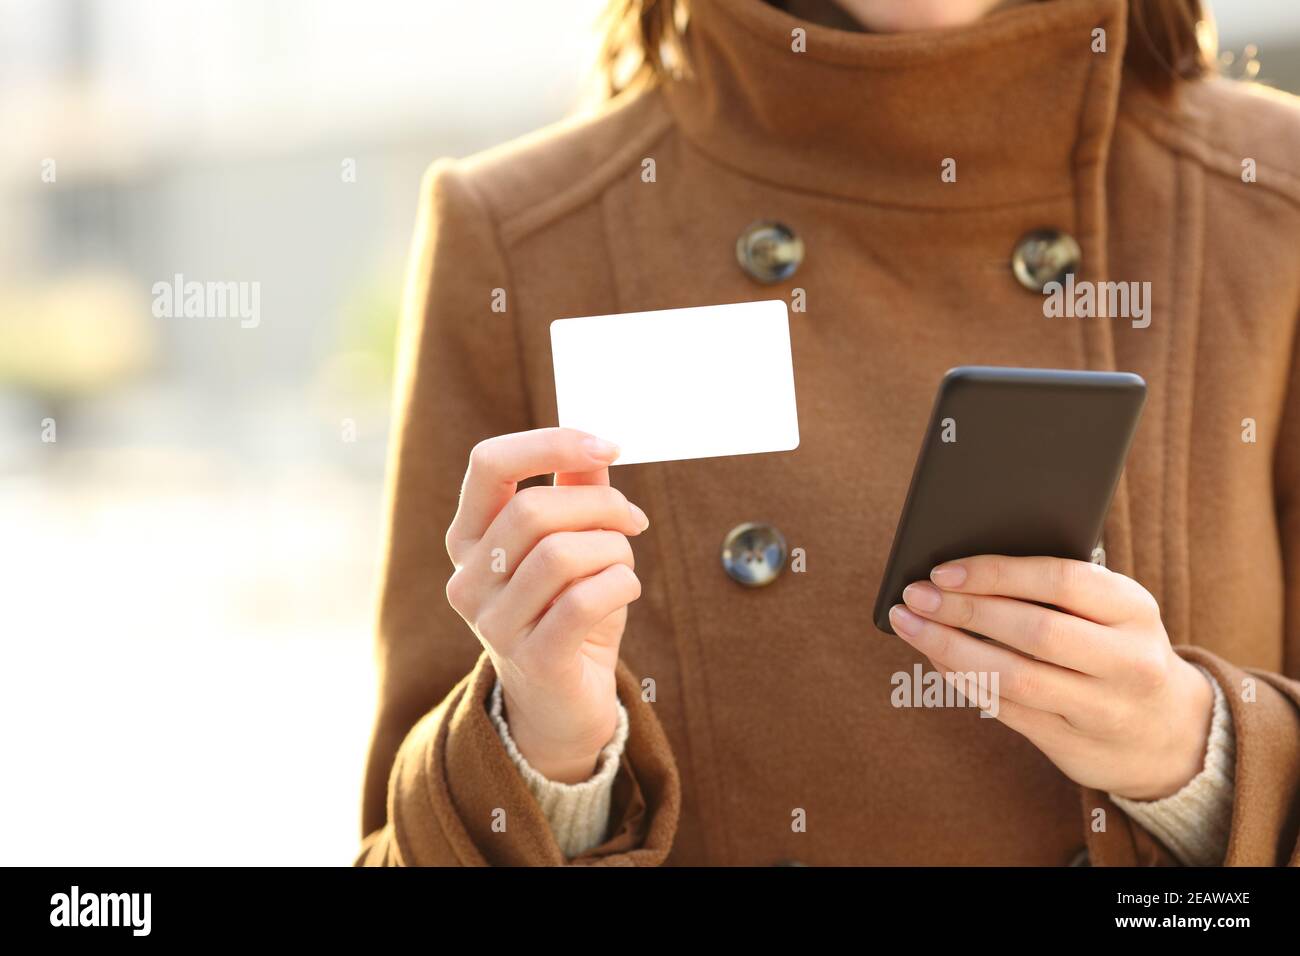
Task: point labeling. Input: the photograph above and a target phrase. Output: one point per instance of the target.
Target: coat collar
(1019, 100)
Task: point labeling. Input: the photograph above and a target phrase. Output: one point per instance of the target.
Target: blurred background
(191, 508)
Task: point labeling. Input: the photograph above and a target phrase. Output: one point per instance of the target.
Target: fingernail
(923, 597)
(639, 516)
(948, 575)
(904, 621)
(600, 449)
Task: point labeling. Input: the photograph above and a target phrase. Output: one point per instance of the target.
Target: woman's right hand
(544, 577)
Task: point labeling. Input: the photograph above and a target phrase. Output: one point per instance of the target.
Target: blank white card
(679, 383)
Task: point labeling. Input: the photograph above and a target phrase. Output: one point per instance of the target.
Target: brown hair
(1169, 40)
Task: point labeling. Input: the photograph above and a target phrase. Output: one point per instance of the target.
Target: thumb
(597, 477)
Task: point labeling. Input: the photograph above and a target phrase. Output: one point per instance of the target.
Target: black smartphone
(1017, 461)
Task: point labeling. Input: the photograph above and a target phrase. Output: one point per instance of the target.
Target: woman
(912, 174)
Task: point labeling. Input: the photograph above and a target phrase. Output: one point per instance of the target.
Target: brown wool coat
(779, 698)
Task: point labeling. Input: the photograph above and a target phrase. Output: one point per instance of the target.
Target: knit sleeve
(1195, 822)
(578, 813)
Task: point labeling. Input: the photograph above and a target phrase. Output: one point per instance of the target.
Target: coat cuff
(1194, 823)
(579, 812)
(1265, 710)
(456, 797)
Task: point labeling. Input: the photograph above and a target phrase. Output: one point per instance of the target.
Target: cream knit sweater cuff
(577, 812)
(1195, 822)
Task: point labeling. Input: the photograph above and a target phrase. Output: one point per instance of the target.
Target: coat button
(753, 554)
(769, 251)
(1043, 256)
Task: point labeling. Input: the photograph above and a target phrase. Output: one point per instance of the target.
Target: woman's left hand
(1095, 685)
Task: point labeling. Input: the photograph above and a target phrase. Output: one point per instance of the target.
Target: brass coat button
(753, 554)
(769, 251)
(1043, 256)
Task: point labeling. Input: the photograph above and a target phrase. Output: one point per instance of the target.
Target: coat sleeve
(1265, 708)
(440, 788)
